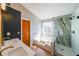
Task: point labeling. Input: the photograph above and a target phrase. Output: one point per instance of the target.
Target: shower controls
(73, 31)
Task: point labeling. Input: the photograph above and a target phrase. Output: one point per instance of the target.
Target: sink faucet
(5, 49)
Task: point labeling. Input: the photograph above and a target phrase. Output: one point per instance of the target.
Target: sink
(17, 52)
(20, 49)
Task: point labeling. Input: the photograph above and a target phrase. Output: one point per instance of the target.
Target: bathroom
(54, 32)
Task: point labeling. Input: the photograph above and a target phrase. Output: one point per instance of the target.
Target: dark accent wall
(11, 23)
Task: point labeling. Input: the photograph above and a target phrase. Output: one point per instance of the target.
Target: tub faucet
(5, 49)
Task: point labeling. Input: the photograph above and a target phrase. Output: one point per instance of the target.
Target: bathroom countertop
(16, 43)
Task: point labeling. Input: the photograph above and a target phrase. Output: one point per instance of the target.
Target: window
(48, 31)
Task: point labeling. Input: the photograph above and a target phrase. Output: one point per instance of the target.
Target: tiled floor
(39, 51)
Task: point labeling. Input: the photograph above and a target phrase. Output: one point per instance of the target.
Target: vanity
(19, 48)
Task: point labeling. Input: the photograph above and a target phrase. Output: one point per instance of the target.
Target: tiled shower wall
(64, 30)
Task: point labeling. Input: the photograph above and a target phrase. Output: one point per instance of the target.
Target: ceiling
(48, 10)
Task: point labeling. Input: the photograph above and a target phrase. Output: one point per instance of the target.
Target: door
(26, 31)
